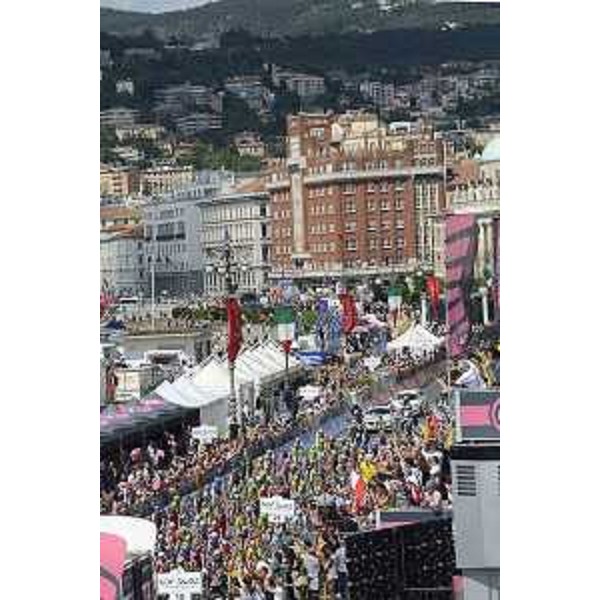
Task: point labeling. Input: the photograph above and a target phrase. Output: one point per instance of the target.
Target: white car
(407, 399)
(379, 418)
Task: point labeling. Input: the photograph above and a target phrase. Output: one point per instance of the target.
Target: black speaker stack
(413, 561)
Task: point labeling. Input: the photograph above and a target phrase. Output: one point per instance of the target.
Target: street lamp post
(235, 417)
(483, 290)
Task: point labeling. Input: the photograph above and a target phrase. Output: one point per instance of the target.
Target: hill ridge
(298, 17)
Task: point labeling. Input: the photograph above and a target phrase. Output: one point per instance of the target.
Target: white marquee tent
(207, 387)
(417, 339)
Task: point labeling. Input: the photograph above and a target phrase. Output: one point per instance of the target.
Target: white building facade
(122, 262)
(172, 251)
(243, 215)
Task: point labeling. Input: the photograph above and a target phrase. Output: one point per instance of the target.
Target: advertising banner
(477, 415)
(277, 509)
(179, 585)
(205, 434)
(461, 248)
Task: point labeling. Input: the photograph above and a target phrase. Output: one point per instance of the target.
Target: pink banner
(113, 550)
(460, 255)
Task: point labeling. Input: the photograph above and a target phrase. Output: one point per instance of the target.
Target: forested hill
(278, 18)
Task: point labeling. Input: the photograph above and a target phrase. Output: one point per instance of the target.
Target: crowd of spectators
(205, 501)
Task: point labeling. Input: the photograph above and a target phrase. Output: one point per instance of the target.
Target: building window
(385, 204)
(386, 243)
(372, 226)
(372, 205)
(383, 186)
(373, 244)
(351, 245)
(371, 187)
(350, 226)
(350, 206)
(399, 203)
(331, 227)
(349, 188)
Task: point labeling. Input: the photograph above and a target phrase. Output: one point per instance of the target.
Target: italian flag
(286, 324)
(394, 298)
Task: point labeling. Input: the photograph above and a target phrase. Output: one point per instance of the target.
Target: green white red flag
(286, 324)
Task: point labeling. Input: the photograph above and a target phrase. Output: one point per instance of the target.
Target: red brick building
(354, 195)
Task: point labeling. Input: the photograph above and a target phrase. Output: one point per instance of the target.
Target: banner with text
(179, 585)
(477, 415)
(277, 509)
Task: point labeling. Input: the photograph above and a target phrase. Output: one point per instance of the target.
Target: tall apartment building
(172, 234)
(243, 215)
(354, 197)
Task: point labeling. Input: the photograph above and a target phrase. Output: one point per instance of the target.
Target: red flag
(360, 490)
(433, 288)
(234, 328)
(349, 314)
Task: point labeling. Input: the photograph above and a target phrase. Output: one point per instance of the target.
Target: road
(336, 426)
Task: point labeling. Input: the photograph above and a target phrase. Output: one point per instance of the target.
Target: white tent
(139, 534)
(417, 339)
(208, 388)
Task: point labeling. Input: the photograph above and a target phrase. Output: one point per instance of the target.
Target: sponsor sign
(478, 415)
(179, 585)
(277, 509)
(205, 434)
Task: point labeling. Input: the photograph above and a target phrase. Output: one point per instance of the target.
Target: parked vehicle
(379, 418)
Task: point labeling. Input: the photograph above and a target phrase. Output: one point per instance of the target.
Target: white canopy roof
(139, 534)
(417, 339)
(209, 382)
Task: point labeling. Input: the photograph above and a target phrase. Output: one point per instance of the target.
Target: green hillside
(297, 17)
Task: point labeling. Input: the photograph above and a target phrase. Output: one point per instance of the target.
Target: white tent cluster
(207, 387)
(417, 339)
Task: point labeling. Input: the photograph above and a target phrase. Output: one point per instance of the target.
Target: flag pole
(234, 408)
